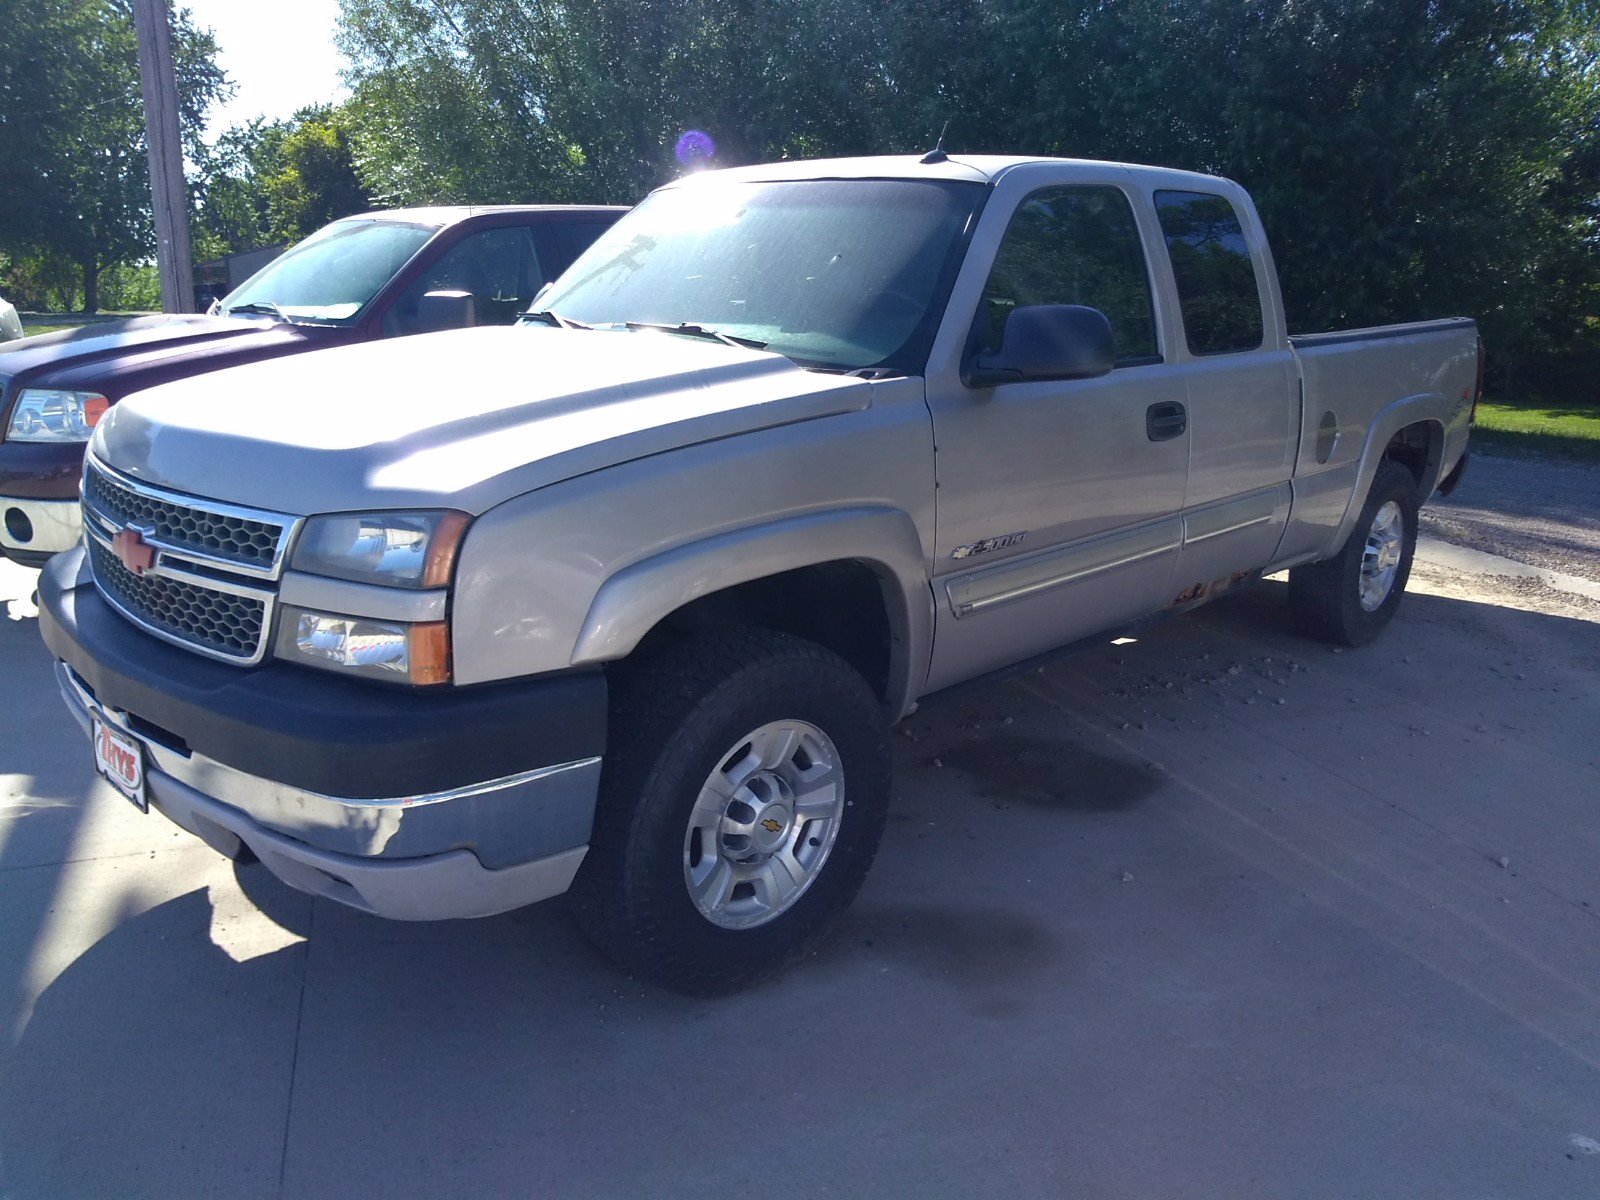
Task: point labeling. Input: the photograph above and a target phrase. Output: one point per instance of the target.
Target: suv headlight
(390, 650)
(396, 549)
(48, 415)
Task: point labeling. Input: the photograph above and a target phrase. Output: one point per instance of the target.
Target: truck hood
(97, 357)
(465, 419)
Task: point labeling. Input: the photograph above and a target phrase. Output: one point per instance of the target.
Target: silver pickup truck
(623, 601)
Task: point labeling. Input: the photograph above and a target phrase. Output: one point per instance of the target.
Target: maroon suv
(378, 275)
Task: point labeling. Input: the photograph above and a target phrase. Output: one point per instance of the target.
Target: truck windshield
(834, 273)
(333, 274)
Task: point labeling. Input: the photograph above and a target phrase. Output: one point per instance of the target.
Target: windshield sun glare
(842, 273)
(333, 274)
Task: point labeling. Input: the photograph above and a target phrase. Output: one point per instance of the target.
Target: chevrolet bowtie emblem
(771, 826)
(133, 551)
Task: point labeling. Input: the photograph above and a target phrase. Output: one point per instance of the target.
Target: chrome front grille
(198, 573)
(220, 623)
(224, 535)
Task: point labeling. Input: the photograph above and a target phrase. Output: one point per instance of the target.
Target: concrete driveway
(1217, 913)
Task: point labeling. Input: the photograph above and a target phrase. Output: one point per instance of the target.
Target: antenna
(937, 154)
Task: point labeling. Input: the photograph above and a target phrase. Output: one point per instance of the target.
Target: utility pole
(168, 189)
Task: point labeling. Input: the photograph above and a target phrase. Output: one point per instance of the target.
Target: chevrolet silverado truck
(378, 275)
(623, 601)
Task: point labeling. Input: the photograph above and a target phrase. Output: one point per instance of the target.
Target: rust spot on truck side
(1209, 591)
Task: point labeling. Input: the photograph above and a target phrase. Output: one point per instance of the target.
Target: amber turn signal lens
(442, 547)
(429, 653)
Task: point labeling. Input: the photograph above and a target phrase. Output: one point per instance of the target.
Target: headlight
(399, 549)
(391, 650)
(46, 415)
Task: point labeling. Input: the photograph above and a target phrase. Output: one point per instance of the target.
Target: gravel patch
(1535, 511)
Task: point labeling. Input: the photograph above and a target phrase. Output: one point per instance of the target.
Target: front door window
(1074, 245)
(499, 267)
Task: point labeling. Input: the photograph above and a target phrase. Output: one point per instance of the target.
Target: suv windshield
(333, 274)
(836, 273)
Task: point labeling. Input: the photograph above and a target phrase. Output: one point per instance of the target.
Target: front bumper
(39, 483)
(33, 530)
(384, 799)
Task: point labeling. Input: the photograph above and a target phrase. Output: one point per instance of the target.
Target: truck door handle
(1165, 421)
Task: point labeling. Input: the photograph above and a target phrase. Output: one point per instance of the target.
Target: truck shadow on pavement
(42, 803)
(367, 1056)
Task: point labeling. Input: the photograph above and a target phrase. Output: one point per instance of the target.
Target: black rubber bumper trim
(315, 731)
(1453, 480)
(26, 558)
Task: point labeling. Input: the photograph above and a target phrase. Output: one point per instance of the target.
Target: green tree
(234, 210)
(74, 177)
(461, 100)
(317, 181)
(1411, 158)
(447, 99)
(277, 181)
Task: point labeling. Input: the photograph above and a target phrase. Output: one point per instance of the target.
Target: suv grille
(224, 624)
(216, 535)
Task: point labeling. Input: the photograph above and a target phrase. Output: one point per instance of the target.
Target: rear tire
(1350, 598)
(742, 802)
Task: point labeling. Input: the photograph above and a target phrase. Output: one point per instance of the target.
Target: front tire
(1350, 599)
(742, 802)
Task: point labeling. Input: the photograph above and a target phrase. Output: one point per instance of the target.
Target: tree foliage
(317, 182)
(1411, 158)
(234, 212)
(277, 181)
(74, 176)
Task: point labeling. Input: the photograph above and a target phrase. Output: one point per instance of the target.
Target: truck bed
(1359, 388)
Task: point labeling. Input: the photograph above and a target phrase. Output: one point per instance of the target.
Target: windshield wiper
(267, 308)
(550, 317)
(259, 306)
(701, 331)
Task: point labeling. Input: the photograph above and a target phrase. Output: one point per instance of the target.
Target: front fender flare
(637, 598)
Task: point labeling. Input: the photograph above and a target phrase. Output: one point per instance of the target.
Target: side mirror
(445, 310)
(1047, 341)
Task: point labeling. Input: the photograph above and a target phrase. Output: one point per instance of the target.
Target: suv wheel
(741, 805)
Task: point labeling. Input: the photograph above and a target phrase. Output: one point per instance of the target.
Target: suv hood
(93, 357)
(464, 420)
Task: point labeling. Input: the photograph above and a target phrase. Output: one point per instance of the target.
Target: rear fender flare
(1423, 408)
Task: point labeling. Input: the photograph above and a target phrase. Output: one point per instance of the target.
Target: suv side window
(500, 267)
(1074, 245)
(1215, 275)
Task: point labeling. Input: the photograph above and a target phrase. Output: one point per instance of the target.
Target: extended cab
(625, 600)
(357, 279)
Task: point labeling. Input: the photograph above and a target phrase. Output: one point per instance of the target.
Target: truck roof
(441, 215)
(976, 168)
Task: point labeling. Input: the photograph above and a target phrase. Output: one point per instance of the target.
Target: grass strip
(1568, 431)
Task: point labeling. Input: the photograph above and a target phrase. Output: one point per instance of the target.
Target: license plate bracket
(120, 758)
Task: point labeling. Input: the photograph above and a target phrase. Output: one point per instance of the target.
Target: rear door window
(1216, 277)
(1074, 245)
